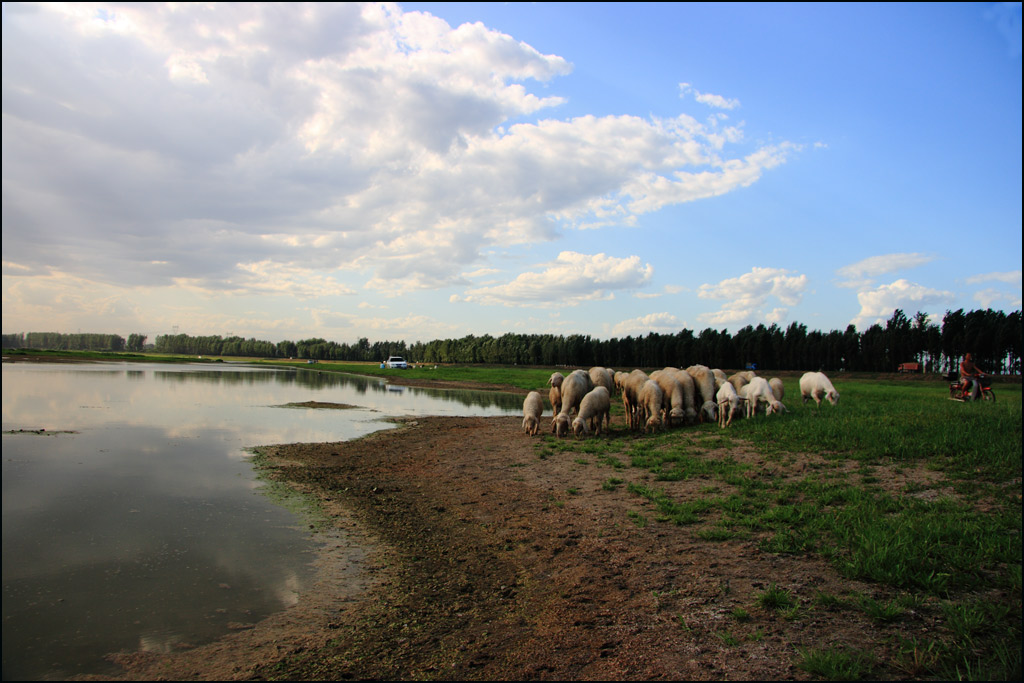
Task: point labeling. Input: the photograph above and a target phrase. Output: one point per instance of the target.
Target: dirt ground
(453, 550)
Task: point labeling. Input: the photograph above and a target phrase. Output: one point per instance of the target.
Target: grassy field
(909, 490)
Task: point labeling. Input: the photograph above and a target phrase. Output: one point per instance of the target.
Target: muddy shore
(456, 549)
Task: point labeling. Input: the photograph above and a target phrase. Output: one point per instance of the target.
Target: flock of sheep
(662, 399)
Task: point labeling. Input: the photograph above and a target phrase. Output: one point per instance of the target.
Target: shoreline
(488, 554)
(483, 561)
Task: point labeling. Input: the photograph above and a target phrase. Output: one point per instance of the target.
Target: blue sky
(421, 170)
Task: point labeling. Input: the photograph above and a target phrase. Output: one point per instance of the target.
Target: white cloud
(302, 140)
(716, 101)
(266, 277)
(1012, 277)
(747, 296)
(878, 304)
(990, 295)
(568, 281)
(668, 289)
(663, 323)
(861, 274)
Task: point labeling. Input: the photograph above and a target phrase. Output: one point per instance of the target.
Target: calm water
(143, 529)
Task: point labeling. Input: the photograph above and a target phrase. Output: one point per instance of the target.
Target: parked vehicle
(396, 362)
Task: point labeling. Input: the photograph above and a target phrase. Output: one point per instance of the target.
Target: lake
(132, 517)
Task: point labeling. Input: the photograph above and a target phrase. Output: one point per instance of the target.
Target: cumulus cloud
(878, 304)
(863, 272)
(746, 296)
(663, 323)
(225, 145)
(570, 280)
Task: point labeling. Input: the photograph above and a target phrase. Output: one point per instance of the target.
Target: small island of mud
(321, 405)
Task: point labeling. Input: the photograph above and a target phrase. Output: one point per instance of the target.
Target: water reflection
(141, 529)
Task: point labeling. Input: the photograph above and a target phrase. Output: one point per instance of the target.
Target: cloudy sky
(418, 171)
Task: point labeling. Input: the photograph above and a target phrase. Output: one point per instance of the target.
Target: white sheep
(759, 390)
(556, 379)
(817, 386)
(602, 377)
(533, 408)
(631, 386)
(778, 388)
(574, 388)
(738, 380)
(555, 397)
(673, 402)
(728, 403)
(689, 395)
(704, 381)
(595, 407)
(650, 399)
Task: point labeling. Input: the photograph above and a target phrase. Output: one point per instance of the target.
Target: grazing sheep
(817, 386)
(574, 388)
(595, 407)
(738, 380)
(650, 399)
(555, 397)
(778, 388)
(631, 386)
(728, 403)
(533, 408)
(689, 395)
(704, 381)
(673, 403)
(719, 377)
(758, 390)
(602, 377)
(560, 425)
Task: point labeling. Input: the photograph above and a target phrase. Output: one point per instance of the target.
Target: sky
(421, 171)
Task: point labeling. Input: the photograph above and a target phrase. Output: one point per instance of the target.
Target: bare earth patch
(457, 552)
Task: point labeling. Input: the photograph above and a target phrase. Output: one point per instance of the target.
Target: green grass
(835, 664)
(935, 544)
(85, 356)
(902, 422)
(775, 599)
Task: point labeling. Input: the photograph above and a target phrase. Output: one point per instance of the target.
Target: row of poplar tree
(994, 337)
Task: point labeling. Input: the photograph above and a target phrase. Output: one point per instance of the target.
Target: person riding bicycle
(970, 375)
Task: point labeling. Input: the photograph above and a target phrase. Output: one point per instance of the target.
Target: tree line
(994, 337)
(58, 341)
